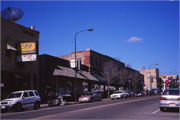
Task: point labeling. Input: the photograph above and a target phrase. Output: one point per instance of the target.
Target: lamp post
(171, 78)
(150, 76)
(129, 84)
(75, 90)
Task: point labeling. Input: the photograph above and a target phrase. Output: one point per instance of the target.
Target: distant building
(19, 70)
(170, 81)
(151, 78)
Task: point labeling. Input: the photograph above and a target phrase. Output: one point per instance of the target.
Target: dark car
(147, 92)
(139, 93)
(153, 92)
(131, 94)
(157, 91)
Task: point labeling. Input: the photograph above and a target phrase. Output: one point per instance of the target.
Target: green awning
(102, 80)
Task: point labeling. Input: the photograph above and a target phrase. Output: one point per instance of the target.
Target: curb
(69, 103)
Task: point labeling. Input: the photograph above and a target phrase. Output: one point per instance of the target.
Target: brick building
(15, 74)
(95, 62)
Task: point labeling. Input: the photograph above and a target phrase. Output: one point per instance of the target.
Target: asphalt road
(131, 108)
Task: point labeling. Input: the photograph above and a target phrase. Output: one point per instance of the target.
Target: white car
(21, 99)
(119, 94)
(170, 98)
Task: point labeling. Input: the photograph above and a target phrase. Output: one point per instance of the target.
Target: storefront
(57, 76)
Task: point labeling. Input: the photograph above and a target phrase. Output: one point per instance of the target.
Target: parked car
(153, 92)
(170, 98)
(90, 97)
(157, 91)
(147, 92)
(21, 99)
(131, 94)
(119, 94)
(139, 93)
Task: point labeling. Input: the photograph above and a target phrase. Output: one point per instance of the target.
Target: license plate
(171, 104)
(2, 107)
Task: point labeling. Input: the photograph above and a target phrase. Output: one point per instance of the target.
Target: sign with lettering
(25, 48)
(27, 58)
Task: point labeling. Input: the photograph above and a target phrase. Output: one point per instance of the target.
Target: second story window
(94, 61)
(97, 62)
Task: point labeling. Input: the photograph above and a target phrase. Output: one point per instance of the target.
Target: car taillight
(163, 98)
(178, 99)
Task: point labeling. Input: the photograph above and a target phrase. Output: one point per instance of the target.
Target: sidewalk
(69, 103)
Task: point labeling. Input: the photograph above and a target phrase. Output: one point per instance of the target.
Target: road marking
(92, 108)
(155, 111)
(42, 117)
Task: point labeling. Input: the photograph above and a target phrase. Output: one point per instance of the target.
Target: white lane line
(155, 111)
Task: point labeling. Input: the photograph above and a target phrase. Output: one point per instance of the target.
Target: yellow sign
(29, 47)
(164, 76)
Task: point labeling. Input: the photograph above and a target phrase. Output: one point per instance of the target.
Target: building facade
(15, 73)
(57, 76)
(95, 61)
(170, 81)
(151, 78)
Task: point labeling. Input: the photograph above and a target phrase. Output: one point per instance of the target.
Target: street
(131, 108)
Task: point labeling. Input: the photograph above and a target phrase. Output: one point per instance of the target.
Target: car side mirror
(23, 97)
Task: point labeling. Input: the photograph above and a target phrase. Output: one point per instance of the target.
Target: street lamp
(150, 76)
(76, 63)
(171, 78)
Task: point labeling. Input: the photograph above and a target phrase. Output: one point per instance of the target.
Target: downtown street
(130, 108)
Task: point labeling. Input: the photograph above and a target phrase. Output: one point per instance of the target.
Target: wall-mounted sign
(72, 62)
(27, 58)
(28, 47)
(163, 76)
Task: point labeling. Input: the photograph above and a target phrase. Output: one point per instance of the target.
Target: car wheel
(100, 99)
(36, 106)
(18, 107)
(121, 97)
(92, 99)
(162, 109)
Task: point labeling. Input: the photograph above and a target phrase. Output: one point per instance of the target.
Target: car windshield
(171, 92)
(89, 93)
(118, 92)
(15, 95)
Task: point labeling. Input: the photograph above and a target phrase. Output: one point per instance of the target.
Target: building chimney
(143, 67)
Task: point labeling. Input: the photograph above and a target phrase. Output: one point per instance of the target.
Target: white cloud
(135, 39)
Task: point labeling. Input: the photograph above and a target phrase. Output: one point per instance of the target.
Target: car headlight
(10, 102)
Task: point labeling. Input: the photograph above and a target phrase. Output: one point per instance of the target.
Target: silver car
(90, 97)
(119, 94)
(170, 98)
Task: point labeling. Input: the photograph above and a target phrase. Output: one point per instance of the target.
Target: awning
(10, 47)
(142, 83)
(99, 78)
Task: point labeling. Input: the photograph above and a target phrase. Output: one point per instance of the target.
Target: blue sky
(140, 33)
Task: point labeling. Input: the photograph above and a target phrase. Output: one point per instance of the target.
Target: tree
(110, 70)
(135, 76)
(129, 65)
(123, 75)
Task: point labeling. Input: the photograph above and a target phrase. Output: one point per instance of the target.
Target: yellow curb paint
(42, 117)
